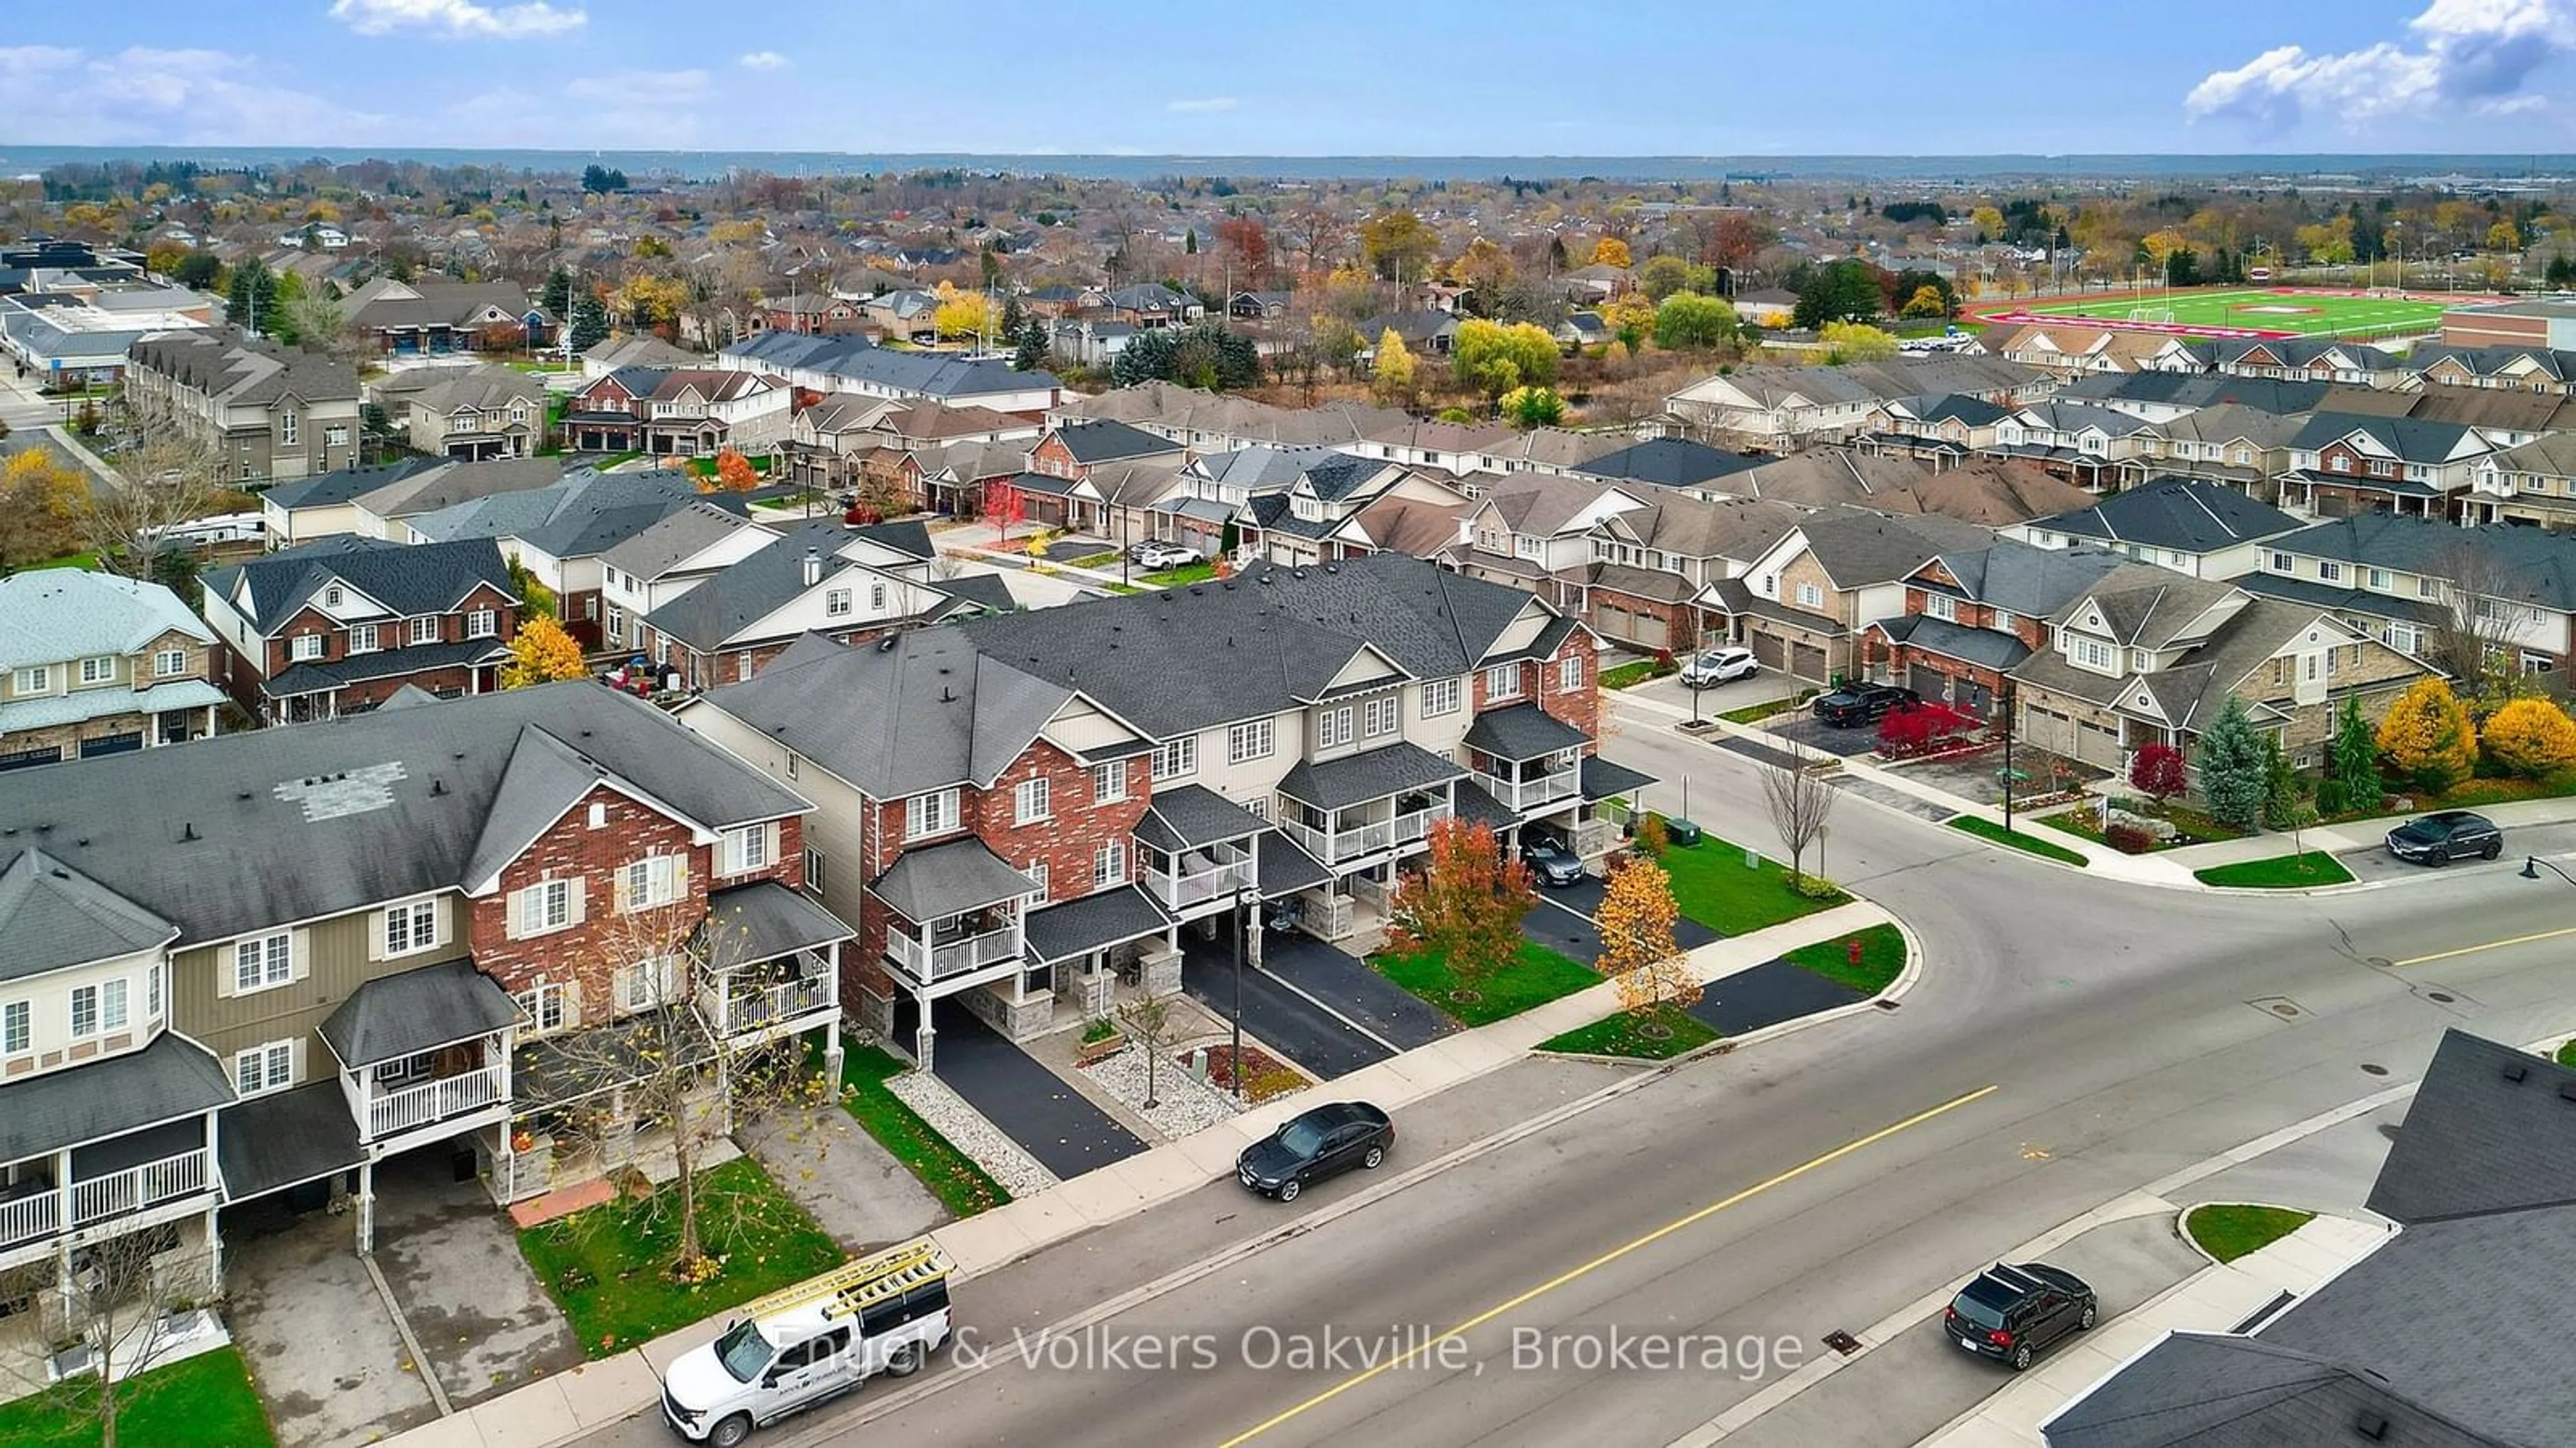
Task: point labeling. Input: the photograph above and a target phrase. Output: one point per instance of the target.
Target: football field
(2247, 312)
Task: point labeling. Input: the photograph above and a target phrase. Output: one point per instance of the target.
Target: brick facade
(393, 635)
(1579, 706)
(1054, 459)
(1603, 608)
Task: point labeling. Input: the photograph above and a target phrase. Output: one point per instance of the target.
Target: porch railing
(31, 1218)
(402, 1109)
(952, 957)
(138, 1187)
(1524, 795)
(1200, 885)
(749, 1008)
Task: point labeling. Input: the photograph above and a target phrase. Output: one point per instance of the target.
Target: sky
(1318, 77)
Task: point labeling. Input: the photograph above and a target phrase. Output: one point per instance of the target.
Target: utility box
(1681, 832)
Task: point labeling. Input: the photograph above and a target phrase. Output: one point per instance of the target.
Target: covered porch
(1079, 951)
(107, 1148)
(1196, 850)
(954, 921)
(772, 967)
(1527, 759)
(1368, 809)
(424, 1058)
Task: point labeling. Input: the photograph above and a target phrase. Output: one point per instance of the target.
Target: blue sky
(1419, 77)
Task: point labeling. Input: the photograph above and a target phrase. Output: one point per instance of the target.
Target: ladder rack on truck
(852, 1287)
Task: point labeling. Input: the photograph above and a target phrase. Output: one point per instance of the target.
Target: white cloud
(2474, 54)
(459, 18)
(146, 96)
(1201, 104)
(763, 60)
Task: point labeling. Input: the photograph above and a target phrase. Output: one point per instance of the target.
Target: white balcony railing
(740, 1007)
(406, 1107)
(31, 1218)
(1180, 891)
(138, 1187)
(1525, 795)
(952, 957)
(1416, 824)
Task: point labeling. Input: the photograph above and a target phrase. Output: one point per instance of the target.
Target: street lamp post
(2532, 865)
(1234, 1062)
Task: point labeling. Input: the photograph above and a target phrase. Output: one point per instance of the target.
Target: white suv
(1717, 666)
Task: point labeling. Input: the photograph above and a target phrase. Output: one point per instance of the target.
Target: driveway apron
(1029, 1103)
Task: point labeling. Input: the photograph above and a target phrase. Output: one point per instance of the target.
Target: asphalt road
(2073, 1039)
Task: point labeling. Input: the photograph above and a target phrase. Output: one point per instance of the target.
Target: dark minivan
(2011, 1312)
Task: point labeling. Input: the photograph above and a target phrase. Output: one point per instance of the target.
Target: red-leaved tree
(2157, 772)
(1463, 904)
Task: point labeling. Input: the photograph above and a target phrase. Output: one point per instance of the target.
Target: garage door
(111, 744)
(1771, 649)
(1974, 697)
(1929, 682)
(1652, 630)
(29, 758)
(1807, 661)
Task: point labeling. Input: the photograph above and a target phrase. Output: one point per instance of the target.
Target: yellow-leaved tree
(1610, 251)
(2429, 735)
(1638, 952)
(542, 653)
(1855, 342)
(1393, 377)
(962, 314)
(2530, 737)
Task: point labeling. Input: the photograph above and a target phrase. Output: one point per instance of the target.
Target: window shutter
(376, 934)
(621, 892)
(299, 954)
(580, 889)
(679, 877)
(521, 904)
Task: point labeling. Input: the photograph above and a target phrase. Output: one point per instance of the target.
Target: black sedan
(2444, 836)
(1315, 1145)
(1550, 860)
(2013, 1311)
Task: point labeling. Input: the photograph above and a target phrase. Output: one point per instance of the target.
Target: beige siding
(332, 960)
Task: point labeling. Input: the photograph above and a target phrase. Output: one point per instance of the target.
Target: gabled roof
(53, 916)
(1672, 462)
(2410, 439)
(50, 615)
(2525, 565)
(2026, 579)
(1102, 442)
(1856, 547)
(582, 516)
(714, 613)
(937, 881)
(392, 1017)
(929, 374)
(346, 485)
(2491, 1129)
(1191, 816)
(168, 1079)
(405, 579)
(2184, 515)
(676, 539)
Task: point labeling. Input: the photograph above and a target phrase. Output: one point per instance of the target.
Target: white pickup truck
(811, 1343)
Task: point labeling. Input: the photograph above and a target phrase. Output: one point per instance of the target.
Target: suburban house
(2088, 446)
(2408, 581)
(1781, 409)
(2163, 396)
(1651, 565)
(2150, 656)
(1994, 492)
(2313, 359)
(1971, 617)
(1942, 431)
(635, 349)
(848, 584)
(906, 313)
(674, 555)
(341, 625)
(841, 440)
(1089, 342)
(2342, 463)
(560, 532)
(679, 412)
(375, 501)
(493, 413)
(1214, 422)
(2190, 525)
(2533, 484)
(2072, 351)
(266, 412)
(1058, 486)
(1766, 307)
(1148, 305)
(2503, 366)
(1270, 306)
(285, 963)
(1530, 530)
(2397, 1347)
(954, 479)
(1668, 462)
(2246, 448)
(825, 365)
(1802, 603)
(91, 664)
(1016, 809)
(428, 317)
(1309, 520)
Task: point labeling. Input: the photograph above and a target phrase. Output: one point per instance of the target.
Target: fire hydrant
(1851, 950)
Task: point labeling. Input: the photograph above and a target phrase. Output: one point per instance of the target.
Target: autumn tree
(734, 472)
(1855, 342)
(1147, 1019)
(1628, 312)
(2504, 236)
(1610, 251)
(1393, 378)
(1463, 905)
(168, 480)
(1662, 276)
(541, 652)
(2427, 734)
(1690, 322)
(1485, 270)
(1398, 245)
(961, 314)
(1637, 916)
(1527, 407)
(2158, 772)
(1800, 801)
(2472, 636)
(42, 502)
(2234, 774)
(1497, 358)
(652, 301)
(1244, 244)
(2532, 738)
(1927, 301)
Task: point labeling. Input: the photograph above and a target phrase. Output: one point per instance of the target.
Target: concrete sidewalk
(2214, 1301)
(557, 1409)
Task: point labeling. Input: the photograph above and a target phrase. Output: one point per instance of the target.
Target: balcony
(1181, 890)
(1534, 793)
(405, 1108)
(48, 1211)
(945, 956)
(759, 997)
(1355, 836)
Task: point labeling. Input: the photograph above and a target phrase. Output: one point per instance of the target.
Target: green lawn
(706, 467)
(2227, 1232)
(204, 1399)
(1882, 959)
(952, 1176)
(608, 1267)
(1756, 713)
(1985, 829)
(1634, 672)
(1712, 886)
(2255, 309)
(1181, 577)
(1108, 559)
(1627, 1035)
(70, 560)
(2280, 872)
(1533, 978)
(2567, 1053)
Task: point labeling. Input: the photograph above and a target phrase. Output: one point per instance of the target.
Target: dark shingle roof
(1672, 462)
(168, 1079)
(2206, 1390)
(1094, 922)
(1982, 646)
(1523, 731)
(1604, 780)
(407, 579)
(2185, 515)
(348, 484)
(1373, 774)
(1189, 816)
(765, 920)
(1286, 869)
(53, 916)
(1108, 441)
(2526, 565)
(286, 1138)
(2479, 1140)
(394, 1016)
(937, 881)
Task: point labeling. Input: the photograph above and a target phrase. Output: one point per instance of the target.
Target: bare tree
(322, 325)
(118, 1320)
(1149, 1019)
(677, 1067)
(2472, 638)
(167, 480)
(1799, 799)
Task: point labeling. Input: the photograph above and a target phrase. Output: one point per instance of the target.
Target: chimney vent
(813, 568)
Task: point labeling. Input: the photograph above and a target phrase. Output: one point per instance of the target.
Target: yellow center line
(2476, 949)
(1606, 1258)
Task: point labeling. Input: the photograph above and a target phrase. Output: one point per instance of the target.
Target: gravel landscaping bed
(968, 1131)
(1185, 1103)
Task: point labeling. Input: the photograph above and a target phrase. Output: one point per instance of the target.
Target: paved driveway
(1762, 688)
(1029, 1103)
(454, 1265)
(1766, 995)
(1345, 985)
(1584, 898)
(1288, 1019)
(1815, 733)
(323, 1349)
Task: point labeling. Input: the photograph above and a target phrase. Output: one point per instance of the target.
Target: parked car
(1315, 1145)
(1155, 557)
(2011, 1313)
(1550, 859)
(1718, 666)
(1853, 705)
(2444, 836)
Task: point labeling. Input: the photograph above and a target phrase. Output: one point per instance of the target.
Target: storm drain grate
(1886, 1005)
(2373, 1068)
(1842, 1342)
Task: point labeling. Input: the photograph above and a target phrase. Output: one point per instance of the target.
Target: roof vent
(188, 832)
(1197, 592)
(2370, 1425)
(947, 695)
(1296, 572)
(437, 787)
(2515, 1070)
(1330, 568)
(243, 795)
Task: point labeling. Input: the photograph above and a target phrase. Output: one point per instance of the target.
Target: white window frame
(1176, 758)
(1109, 864)
(483, 623)
(651, 882)
(263, 962)
(1441, 696)
(1032, 801)
(115, 1004)
(1037, 870)
(424, 629)
(1251, 739)
(17, 1028)
(273, 1066)
(1569, 673)
(98, 669)
(876, 598)
(362, 638)
(1810, 596)
(2329, 571)
(814, 871)
(82, 1015)
(743, 849)
(414, 923)
(1333, 727)
(1380, 715)
(547, 908)
(930, 814)
(304, 648)
(34, 679)
(641, 985)
(289, 428)
(1503, 681)
(336, 435)
(837, 603)
(1941, 606)
(616, 624)
(543, 1009)
(1109, 781)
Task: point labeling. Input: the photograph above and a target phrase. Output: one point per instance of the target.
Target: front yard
(1660, 1035)
(2230, 1232)
(952, 1176)
(1181, 577)
(1534, 977)
(1713, 886)
(1882, 959)
(1635, 672)
(204, 1399)
(1986, 829)
(2280, 872)
(609, 1266)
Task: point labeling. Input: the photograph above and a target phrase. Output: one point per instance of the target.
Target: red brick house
(1971, 617)
(341, 625)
